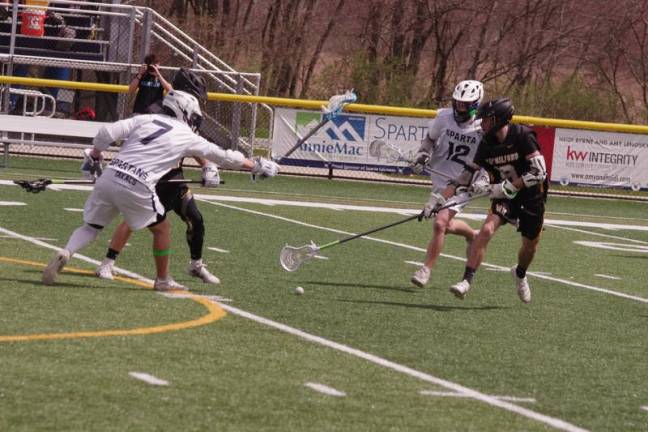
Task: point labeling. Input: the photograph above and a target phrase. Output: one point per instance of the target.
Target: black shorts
(172, 194)
(528, 214)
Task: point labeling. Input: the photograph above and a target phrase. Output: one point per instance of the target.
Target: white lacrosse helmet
(185, 107)
(469, 92)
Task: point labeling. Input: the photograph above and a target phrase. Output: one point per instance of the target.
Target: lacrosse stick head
(337, 102)
(291, 258)
(382, 150)
(33, 186)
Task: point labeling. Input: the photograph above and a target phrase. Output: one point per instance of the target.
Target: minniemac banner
(584, 157)
(343, 142)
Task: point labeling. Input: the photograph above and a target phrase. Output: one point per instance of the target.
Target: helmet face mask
(466, 98)
(185, 107)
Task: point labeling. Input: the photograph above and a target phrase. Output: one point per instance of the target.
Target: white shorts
(460, 197)
(116, 193)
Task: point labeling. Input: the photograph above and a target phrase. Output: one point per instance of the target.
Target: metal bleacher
(108, 45)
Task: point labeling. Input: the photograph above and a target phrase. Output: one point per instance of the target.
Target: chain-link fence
(96, 42)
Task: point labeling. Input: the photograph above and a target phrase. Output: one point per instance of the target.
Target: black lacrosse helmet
(501, 110)
(190, 82)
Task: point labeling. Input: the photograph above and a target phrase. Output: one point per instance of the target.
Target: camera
(150, 69)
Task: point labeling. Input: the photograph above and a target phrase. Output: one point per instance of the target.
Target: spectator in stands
(150, 85)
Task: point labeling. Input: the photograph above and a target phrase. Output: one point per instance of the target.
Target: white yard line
(77, 210)
(607, 276)
(325, 389)
(215, 249)
(596, 234)
(149, 379)
(12, 203)
(418, 249)
(460, 395)
(550, 421)
(645, 408)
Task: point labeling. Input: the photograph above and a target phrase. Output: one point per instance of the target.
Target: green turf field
(361, 350)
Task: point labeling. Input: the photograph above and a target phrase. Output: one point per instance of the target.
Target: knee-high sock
(81, 237)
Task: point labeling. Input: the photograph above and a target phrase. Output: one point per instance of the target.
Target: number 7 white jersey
(454, 145)
(153, 144)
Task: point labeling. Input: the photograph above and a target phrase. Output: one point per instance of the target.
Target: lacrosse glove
(503, 190)
(210, 176)
(420, 160)
(91, 168)
(433, 205)
(264, 168)
(480, 187)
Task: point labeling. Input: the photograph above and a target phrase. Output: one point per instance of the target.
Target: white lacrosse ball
(299, 291)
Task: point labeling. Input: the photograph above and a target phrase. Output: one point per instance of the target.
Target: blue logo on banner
(347, 128)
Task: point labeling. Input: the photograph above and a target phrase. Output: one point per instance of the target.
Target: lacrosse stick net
(291, 258)
(34, 186)
(389, 152)
(336, 104)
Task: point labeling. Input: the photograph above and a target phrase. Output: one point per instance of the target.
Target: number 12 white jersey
(454, 145)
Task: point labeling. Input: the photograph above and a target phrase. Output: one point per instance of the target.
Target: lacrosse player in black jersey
(518, 188)
(175, 196)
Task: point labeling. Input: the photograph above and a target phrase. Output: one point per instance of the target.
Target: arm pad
(537, 172)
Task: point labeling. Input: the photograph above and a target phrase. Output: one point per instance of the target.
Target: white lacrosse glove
(420, 160)
(435, 202)
(480, 187)
(264, 168)
(503, 190)
(210, 176)
(91, 168)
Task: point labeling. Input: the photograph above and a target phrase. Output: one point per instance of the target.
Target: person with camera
(150, 85)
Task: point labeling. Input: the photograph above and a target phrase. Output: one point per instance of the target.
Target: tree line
(578, 59)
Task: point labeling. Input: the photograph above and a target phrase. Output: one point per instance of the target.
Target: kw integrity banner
(600, 158)
(343, 142)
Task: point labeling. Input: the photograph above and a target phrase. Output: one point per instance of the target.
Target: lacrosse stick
(36, 186)
(390, 153)
(335, 105)
(291, 257)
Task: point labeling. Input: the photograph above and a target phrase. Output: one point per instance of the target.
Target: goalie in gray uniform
(451, 142)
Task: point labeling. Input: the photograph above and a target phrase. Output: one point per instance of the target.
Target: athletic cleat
(421, 277)
(522, 284)
(105, 271)
(199, 270)
(55, 266)
(168, 285)
(460, 289)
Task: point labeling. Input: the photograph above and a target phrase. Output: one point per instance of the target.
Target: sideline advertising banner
(600, 158)
(343, 142)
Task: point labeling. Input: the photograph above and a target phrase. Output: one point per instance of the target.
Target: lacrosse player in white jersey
(152, 145)
(450, 143)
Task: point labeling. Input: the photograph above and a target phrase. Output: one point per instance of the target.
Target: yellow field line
(215, 313)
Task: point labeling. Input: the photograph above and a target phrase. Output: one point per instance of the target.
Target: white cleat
(460, 289)
(55, 266)
(199, 270)
(421, 277)
(168, 285)
(522, 285)
(105, 271)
